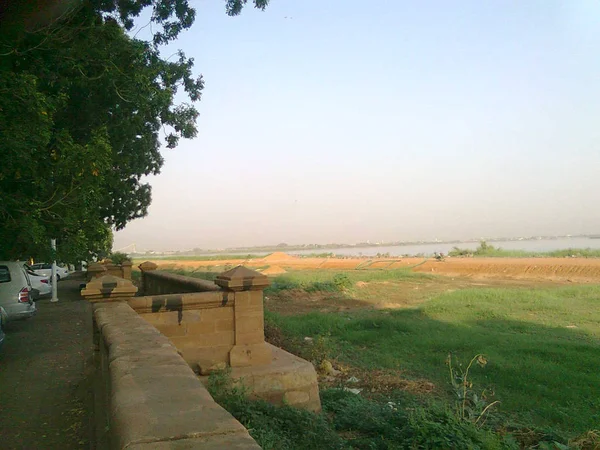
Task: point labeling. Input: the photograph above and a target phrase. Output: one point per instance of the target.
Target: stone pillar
(126, 269)
(95, 270)
(247, 285)
(108, 288)
(144, 267)
(113, 269)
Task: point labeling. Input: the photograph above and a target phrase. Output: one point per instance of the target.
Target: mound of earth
(279, 256)
(273, 270)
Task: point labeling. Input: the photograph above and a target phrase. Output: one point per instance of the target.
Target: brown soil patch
(278, 256)
(376, 381)
(556, 269)
(273, 270)
(296, 301)
(370, 381)
(552, 269)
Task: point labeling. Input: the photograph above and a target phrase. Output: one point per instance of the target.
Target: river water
(538, 245)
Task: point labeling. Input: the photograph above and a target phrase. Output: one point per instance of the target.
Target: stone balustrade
(216, 325)
(147, 397)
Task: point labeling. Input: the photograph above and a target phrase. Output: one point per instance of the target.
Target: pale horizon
(340, 122)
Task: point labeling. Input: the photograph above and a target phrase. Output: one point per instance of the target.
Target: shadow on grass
(544, 376)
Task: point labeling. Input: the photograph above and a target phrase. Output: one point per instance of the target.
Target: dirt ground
(45, 364)
(548, 269)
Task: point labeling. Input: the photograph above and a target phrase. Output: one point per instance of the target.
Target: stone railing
(220, 326)
(147, 397)
(156, 282)
(212, 324)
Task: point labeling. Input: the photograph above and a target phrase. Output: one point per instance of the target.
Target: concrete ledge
(155, 399)
(181, 302)
(288, 380)
(159, 282)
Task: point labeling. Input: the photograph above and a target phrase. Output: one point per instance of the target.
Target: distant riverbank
(511, 248)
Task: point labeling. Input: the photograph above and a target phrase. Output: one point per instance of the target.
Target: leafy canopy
(84, 111)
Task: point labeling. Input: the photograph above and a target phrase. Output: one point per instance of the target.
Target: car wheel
(57, 278)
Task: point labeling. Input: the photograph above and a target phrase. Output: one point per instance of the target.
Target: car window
(26, 276)
(4, 274)
(46, 266)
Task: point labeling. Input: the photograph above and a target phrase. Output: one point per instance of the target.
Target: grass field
(541, 341)
(543, 344)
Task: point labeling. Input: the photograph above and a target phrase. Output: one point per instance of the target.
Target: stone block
(250, 324)
(296, 397)
(215, 339)
(285, 374)
(211, 314)
(250, 355)
(172, 330)
(224, 325)
(201, 328)
(208, 367)
(252, 337)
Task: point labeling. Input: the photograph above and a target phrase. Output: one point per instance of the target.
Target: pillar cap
(147, 265)
(241, 278)
(108, 288)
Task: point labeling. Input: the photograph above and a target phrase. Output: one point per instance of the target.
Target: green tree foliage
(84, 111)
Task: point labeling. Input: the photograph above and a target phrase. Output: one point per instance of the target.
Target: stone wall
(215, 329)
(201, 325)
(152, 399)
(210, 323)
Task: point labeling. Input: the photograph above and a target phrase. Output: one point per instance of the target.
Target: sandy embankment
(559, 269)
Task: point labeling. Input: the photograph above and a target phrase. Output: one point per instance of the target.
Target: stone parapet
(153, 399)
(157, 282)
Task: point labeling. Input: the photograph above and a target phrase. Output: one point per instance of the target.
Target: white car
(45, 269)
(40, 283)
(15, 291)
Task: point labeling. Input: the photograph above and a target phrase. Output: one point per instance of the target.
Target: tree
(82, 108)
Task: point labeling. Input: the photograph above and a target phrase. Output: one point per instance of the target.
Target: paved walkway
(45, 376)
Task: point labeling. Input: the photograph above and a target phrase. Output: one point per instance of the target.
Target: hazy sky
(384, 120)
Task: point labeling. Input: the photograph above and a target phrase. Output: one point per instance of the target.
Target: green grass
(544, 374)
(338, 280)
(350, 422)
(487, 250)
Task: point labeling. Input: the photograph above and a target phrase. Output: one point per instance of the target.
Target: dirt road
(45, 396)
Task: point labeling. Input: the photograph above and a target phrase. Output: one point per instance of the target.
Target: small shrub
(281, 284)
(320, 286)
(470, 405)
(457, 252)
(119, 258)
(342, 281)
